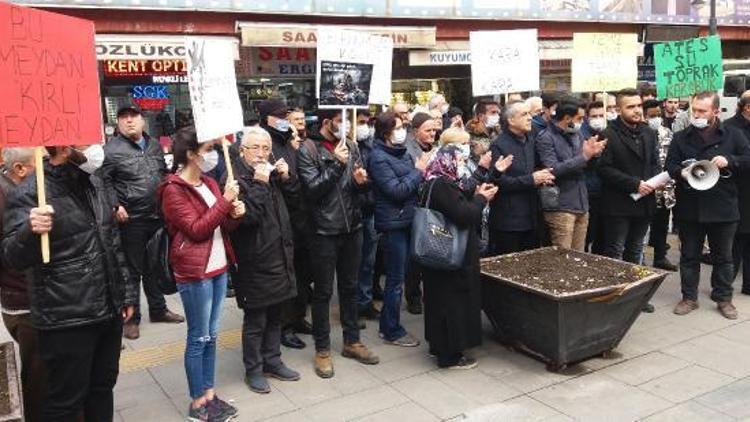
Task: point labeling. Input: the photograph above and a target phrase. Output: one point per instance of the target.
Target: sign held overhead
(504, 61)
(687, 67)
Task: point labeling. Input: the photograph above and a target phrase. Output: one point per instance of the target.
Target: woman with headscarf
(452, 302)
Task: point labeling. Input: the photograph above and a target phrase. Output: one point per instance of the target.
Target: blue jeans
(202, 301)
(367, 266)
(396, 261)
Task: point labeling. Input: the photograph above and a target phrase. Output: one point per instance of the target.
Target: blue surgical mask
(283, 125)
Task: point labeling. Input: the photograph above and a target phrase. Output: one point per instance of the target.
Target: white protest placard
(356, 64)
(504, 61)
(213, 87)
(604, 62)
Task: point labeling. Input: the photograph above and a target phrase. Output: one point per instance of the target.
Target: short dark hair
(549, 99)
(186, 139)
(715, 100)
(593, 105)
(649, 104)
(327, 114)
(567, 108)
(483, 105)
(364, 112)
(384, 124)
(627, 92)
(647, 90)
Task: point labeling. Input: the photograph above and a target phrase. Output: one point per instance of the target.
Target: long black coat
(263, 243)
(452, 299)
(720, 203)
(743, 182)
(630, 157)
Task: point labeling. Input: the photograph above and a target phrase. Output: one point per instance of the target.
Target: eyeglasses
(264, 148)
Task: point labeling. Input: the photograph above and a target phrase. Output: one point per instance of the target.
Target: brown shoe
(360, 353)
(685, 307)
(727, 310)
(323, 364)
(130, 331)
(167, 316)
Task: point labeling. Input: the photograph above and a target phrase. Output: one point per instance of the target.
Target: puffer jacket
(191, 224)
(263, 243)
(134, 174)
(395, 182)
(336, 200)
(14, 292)
(86, 280)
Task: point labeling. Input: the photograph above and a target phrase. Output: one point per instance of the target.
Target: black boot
(289, 339)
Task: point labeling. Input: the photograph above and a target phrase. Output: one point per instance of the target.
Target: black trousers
(503, 242)
(261, 339)
(335, 257)
(659, 231)
(741, 255)
(720, 240)
(135, 235)
(295, 309)
(595, 233)
(82, 368)
(413, 284)
(625, 237)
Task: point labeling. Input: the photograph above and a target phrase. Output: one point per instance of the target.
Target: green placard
(687, 67)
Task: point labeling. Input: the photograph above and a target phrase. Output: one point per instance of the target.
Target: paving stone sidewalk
(669, 368)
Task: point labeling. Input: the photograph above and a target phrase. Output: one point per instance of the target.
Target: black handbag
(436, 242)
(157, 251)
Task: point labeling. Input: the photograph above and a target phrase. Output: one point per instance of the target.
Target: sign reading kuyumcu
(688, 67)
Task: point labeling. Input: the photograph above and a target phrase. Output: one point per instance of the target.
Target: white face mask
(337, 130)
(94, 159)
(492, 120)
(611, 115)
(465, 150)
(209, 160)
(444, 108)
(398, 137)
(598, 123)
(363, 132)
(655, 123)
(572, 130)
(699, 123)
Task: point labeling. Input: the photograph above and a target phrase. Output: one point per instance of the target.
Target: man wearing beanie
(273, 118)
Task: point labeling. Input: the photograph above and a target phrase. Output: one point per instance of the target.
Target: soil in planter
(5, 407)
(561, 271)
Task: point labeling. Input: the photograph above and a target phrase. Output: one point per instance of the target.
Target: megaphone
(701, 175)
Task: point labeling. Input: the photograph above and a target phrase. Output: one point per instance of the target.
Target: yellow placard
(604, 62)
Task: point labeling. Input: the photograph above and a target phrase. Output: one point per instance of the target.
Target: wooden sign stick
(227, 159)
(605, 101)
(354, 126)
(41, 196)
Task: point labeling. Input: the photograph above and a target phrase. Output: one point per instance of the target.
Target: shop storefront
(149, 71)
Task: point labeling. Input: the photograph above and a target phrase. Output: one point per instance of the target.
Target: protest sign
(346, 52)
(49, 81)
(504, 61)
(213, 87)
(687, 67)
(604, 62)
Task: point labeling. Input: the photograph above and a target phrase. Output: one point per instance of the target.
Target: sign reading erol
(688, 67)
(49, 84)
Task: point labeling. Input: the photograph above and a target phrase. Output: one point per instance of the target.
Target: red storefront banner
(49, 82)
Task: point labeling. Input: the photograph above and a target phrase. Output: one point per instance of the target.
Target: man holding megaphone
(704, 159)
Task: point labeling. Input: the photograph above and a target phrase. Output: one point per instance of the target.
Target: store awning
(145, 47)
(449, 53)
(299, 35)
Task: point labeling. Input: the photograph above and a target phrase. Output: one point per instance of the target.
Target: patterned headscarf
(445, 164)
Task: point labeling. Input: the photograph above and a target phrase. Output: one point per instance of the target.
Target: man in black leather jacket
(333, 178)
(81, 298)
(134, 166)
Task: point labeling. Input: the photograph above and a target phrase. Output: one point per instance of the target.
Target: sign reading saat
(688, 67)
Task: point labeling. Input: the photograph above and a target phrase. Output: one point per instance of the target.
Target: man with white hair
(264, 278)
(14, 296)
(535, 105)
(438, 104)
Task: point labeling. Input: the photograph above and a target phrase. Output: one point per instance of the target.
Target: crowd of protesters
(313, 207)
